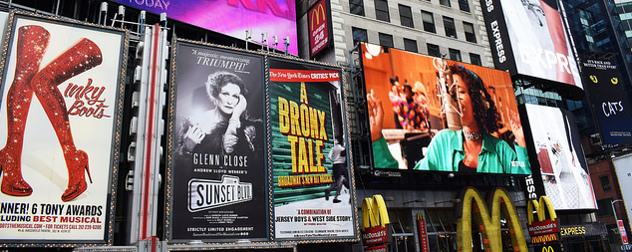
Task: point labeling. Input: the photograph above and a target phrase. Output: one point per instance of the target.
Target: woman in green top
(473, 148)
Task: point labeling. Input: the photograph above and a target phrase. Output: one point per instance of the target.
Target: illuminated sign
(423, 233)
(421, 122)
(473, 206)
(318, 27)
(511, 27)
(561, 158)
(231, 17)
(607, 98)
(624, 235)
(543, 230)
(374, 223)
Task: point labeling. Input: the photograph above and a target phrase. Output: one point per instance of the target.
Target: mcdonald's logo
(490, 225)
(374, 212)
(374, 220)
(544, 229)
(316, 13)
(548, 249)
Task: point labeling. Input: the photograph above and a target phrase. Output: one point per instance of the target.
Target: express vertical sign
(318, 18)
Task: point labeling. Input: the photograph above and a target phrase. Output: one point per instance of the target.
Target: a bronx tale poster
(306, 122)
(60, 116)
(218, 173)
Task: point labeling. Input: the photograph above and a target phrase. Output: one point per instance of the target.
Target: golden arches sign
(374, 212)
(548, 249)
(542, 207)
(317, 11)
(473, 204)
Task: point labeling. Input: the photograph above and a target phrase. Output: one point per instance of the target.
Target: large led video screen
(433, 114)
(562, 162)
(529, 38)
(232, 17)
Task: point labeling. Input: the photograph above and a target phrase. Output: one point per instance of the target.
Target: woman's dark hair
(216, 81)
(486, 115)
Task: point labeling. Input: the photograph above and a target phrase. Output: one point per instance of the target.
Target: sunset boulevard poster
(312, 196)
(217, 171)
(59, 128)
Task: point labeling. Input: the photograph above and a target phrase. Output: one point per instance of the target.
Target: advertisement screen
(231, 17)
(608, 98)
(532, 34)
(431, 114)
(218, 172)
(622, 168)
(318, 18)
(312, 186)
(59, 123)
(562, 162)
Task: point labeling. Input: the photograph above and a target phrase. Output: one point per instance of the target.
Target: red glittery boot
(81, 57)
(31, 43)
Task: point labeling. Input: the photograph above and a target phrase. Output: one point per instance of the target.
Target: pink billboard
(231, 17)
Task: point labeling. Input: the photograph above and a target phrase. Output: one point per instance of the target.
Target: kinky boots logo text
(88, 100)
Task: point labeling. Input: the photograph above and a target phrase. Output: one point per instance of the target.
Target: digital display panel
(232, 17)
(562, 162)
(432, 114)
(528, 38)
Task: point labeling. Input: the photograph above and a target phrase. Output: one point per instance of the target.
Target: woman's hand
(193, 137)
(239, 109)
(376, 116)
(516, 128)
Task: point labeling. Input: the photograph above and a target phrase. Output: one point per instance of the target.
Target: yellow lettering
(319, 156)
(293, 140)
(323, 132)
(284, 119)
(303, 163)
(305, 120)
(294, 119)
(304, 94)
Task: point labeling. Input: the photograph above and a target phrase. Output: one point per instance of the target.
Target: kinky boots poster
(311, 176)
(59, 128)
(217, 174)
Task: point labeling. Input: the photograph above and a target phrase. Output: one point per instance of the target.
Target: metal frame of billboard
(300, 64)
(63, 30)
(220, 51)
(267, 149)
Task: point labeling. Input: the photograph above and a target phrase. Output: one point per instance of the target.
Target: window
(464, 5)
(450, 29)
(475, 59)
(410, 45)
(386, 40)
(381, 10)
(469, 32)
(428, 20)
(433, 50)
(356, 7)
(359, 35)
(445, 2)
(455, 54)
(605, 183)
(406, 16)
(604, 207)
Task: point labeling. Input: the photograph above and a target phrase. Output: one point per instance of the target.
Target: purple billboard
(231, 17)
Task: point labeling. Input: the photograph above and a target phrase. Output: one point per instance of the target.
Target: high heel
(12, 181)
(76, 175)
(81, 57)
(32, 41)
